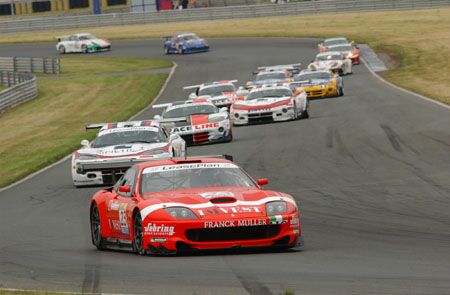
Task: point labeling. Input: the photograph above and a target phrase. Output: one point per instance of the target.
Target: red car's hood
(220, 202)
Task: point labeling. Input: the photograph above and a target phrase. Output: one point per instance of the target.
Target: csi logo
(229, 210)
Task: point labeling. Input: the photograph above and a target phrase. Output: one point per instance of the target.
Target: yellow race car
(319, 84)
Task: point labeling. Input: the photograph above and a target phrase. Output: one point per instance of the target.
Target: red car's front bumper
(179, 236)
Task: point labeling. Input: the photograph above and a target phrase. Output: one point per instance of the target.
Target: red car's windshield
(196, 175)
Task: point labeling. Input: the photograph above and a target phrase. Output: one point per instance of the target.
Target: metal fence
(22, 88)
(214, 13)
(47, 65)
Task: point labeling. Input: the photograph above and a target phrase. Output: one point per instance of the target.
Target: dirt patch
(390, 59)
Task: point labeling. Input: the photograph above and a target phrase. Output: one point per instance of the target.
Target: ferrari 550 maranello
(170, 206)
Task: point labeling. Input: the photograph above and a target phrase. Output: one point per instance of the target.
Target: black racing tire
(84, 49)
(305, 115)
(138, 235)
(62, 49)
(296, 112)
(230, 137)
(96, 229)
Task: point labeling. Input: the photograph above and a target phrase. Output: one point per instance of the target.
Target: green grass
(420, 38)
(48, 128)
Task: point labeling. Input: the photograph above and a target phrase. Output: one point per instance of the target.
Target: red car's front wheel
(138, 236)
(96, 228)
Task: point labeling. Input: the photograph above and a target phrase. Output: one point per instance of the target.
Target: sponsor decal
(276, 219)
(181, 129)
(234, 223)
(260, 110)
(123, 219)
(187, 167)
(115, 225)
(296, 231)
(229, 210)
(195, 127)
(159, 230)
(206, 126)
(158, 240)
(295, 221)
(210, 195)
(113, 205)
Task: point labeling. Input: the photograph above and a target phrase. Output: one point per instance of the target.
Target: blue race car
(184, 43)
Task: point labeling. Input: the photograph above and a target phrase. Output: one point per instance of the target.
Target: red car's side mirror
(124, 189)
(262, 181)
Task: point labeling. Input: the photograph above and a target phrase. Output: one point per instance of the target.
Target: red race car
(177, 205)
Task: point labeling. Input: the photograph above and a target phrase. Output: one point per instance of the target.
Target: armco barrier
(213, 13)
(47, 65)
(22, 87)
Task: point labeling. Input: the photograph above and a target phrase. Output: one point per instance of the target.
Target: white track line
(403, 89)
(172, 71)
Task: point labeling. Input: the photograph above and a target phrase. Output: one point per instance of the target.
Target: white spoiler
(280, 66)
(208, 84)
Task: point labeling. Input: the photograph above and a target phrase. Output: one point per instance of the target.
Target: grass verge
(46, 129)
(33, 292)
(419, 37)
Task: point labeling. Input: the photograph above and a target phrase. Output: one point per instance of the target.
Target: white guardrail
(16, 74)
(47, 65)
(22, 88)
(231, 12)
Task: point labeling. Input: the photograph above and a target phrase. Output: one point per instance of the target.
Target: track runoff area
(369, 171)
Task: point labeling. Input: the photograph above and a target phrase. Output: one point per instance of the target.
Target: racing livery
(348, 51)
(221, 93)
(268, 77)
(332, 61)
(323, 46)
(184, 43)
(178, 205)
(319, 83)
(83, 42)
(270, 103)
(117, 146)
(197, 121)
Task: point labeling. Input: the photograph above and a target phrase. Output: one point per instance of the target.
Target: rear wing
(225, 156)
(209, 84)
(285, 67)
(96, 126)
(192, 87)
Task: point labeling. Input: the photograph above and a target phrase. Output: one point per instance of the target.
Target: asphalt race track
(370, 171)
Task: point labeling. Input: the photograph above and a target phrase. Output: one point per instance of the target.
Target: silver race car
(332, 61)
(221, 93)
(197, 121)
(118, 146)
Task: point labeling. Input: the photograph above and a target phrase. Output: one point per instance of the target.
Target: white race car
(197, 121)
(332, 61)
(118, 146)
(323, 46)
(83, 42)
(221, 93)
(292, 69)
(270, 103)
